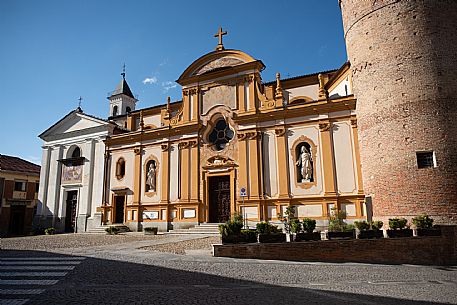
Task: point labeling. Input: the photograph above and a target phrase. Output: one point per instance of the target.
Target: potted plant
(232, 232)
(308, 227)
(49, 231)
(369, 230)
(287, 219)
(338, 228)
(397, 228)
(424, 226)
(295, 227)
(150, 230)
(112, 230)
(269, 233)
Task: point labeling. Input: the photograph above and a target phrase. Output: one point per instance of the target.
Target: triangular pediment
(74, 122)
(217, 61)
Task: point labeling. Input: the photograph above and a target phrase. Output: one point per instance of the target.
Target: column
(90, 186)
(194, 171)
(44, 181)
(137, 176)
(327, 157)
(165, 187)
(185, 156)
(283, 163)
(254, 169)
(243, 169)
(355, 138)
(186, 105)
(58, 173)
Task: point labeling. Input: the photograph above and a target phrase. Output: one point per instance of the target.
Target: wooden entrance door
(70, 211)
(219, 198)
(17, 220)
(119, 202)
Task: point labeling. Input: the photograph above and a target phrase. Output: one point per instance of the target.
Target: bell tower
(403, 62)
(121, 100)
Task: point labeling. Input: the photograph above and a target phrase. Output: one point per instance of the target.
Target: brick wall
(415, 250)
(403, 62)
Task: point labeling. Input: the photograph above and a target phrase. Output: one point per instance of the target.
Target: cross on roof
(79, 104)
(123, 71)
(219, 34)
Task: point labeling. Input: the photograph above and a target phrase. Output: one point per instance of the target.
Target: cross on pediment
(219, 34)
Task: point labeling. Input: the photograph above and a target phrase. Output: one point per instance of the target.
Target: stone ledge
(440, 250)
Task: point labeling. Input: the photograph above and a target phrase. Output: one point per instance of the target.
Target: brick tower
(404, 66)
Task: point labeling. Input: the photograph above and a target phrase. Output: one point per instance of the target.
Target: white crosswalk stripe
(41, 274)
(28, 282)
(23, 262)
(13, 301)
(24, 267)
(45, 258)
(16, 274)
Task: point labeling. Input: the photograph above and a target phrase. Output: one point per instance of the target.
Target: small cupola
(121, 100)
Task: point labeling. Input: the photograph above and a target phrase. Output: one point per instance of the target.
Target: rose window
(221, 134)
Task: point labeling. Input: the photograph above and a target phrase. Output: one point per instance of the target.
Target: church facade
(235, 144)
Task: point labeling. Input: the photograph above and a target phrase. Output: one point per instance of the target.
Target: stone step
(204, 228)
(101, 229)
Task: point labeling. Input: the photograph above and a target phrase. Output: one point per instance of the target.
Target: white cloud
(150, 80)
(168, 85)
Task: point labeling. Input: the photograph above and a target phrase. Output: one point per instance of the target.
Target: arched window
(76, 152)
(114, 110)
(128, 109)
(221, 134)
(120, 168)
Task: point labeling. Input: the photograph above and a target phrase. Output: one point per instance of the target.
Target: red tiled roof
(15, 164)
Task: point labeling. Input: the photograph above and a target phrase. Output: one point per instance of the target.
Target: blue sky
(52, 52)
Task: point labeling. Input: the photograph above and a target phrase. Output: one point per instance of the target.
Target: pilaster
(165, 168)
(254, 169)
(327, 157)
(194, 177)
(283, 164)
(184, 155)
(242, 158)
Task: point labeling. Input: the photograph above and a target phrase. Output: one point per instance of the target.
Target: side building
(72, 172)
(19, 182)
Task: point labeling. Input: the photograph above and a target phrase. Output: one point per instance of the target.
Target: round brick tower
(404, 66)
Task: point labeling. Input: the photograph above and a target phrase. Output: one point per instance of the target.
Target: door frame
(66, 192)
(113, 214)
(209, 174)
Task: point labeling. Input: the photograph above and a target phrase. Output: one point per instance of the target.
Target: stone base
(182, 225)
(161, 225)
(94, 222)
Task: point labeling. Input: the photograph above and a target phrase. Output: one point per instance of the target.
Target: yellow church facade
(235, 144)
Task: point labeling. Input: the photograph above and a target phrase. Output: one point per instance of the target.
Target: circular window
(221, 134)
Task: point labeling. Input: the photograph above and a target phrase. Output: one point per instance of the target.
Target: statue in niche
(305, 162)
(151, 177)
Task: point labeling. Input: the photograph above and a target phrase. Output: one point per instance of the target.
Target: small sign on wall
(189, 213)
(243, 192)
(151, 215)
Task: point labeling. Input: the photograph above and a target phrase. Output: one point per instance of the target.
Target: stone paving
(129, 271)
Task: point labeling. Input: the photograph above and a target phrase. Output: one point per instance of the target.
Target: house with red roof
(19, 182)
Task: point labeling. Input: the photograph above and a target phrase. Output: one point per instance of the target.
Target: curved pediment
(216, 61)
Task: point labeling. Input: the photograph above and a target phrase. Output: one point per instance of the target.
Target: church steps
(204, 228)
(101, 229)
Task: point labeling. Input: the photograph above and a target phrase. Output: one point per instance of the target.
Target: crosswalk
(21, 278)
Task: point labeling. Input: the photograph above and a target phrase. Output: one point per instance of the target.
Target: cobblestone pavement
(129, 272)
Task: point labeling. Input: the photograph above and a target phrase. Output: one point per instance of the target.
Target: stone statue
(151, 178)
(305, 163)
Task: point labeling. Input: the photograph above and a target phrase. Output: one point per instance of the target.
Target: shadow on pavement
(100, 281)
